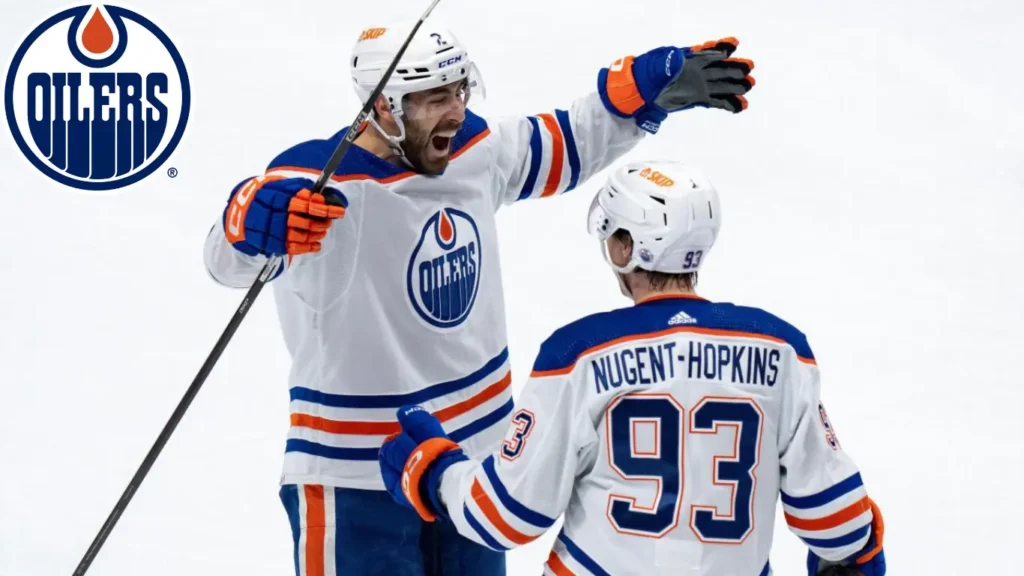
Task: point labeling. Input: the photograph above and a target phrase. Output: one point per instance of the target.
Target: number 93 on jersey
(653, 438)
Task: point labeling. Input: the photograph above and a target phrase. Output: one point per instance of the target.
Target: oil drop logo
(97, 97)
(443, 274)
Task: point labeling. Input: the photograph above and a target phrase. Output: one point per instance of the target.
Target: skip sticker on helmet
(371, 33)
(658, 178)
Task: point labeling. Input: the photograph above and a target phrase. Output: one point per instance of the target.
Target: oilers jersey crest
(97, 97)
(444, 271)
(404, 302)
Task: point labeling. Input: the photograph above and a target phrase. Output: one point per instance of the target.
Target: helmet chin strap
(394, 142)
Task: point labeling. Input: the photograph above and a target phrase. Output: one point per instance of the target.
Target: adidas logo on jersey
(681, 318)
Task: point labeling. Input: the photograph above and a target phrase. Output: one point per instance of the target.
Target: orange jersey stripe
(557, 151)
(343, 427)
(314, 530)
(657, 297)
(484, 395)
(492, 514)
(346, 177)
(557, 566)
(386, 428)
(832, 520)
(472, 142)
(658, 334)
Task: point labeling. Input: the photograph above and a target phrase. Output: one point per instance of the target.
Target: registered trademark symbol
(172, 172)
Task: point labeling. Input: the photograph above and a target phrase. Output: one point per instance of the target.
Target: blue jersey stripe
(398, 400)
(511, 504)
(825, 496)
(581, 556)
(484, 422)
(535, 152)
(767, 569)
(335, 453)
(480, 530)
(332, 452)
(840, 541)
(570, 146)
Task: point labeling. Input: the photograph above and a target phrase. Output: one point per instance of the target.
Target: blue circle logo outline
(435, 223)
(115, 12)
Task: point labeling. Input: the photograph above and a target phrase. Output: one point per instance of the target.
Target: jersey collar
(662, 297)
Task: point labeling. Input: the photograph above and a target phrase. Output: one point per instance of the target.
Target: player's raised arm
(551, 153)
(514, 495)
(272, 214)
(823, 495)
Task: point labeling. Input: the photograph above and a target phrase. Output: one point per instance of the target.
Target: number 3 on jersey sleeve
(645, 433)
(513, 447)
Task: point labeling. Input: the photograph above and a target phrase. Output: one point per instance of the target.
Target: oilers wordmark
(97, 97)
(62, 132)
(443, 275)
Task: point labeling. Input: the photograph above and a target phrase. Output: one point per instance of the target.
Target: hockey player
(401, 302)
(665, 431)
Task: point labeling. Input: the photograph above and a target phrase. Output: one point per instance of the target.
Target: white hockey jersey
(404, 303)
(666, 432)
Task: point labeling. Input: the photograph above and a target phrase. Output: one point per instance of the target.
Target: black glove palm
(668, 79)
(710, 79)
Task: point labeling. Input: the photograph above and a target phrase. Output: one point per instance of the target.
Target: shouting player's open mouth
(441, 142)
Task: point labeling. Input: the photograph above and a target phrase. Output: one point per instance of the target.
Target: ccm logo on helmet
(450, 61)
(657, 177)
(371, 33)
(443, 276)
(97, 97)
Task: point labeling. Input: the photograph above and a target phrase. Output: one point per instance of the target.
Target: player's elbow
(213, 261)
(495, 532)
(229, 266)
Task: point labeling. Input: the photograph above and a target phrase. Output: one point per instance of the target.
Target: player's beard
(427, 152)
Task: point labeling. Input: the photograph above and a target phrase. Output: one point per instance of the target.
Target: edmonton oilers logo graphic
(97, 97)
(444, 271)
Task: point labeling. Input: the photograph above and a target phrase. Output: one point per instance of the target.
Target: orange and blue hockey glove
(668, 79)
(413, 461)
(870, 561)
(274, 215)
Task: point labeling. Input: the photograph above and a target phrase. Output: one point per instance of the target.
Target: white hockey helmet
(669, 209)
(434, 58)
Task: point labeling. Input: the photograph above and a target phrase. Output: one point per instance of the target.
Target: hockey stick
(239, 315)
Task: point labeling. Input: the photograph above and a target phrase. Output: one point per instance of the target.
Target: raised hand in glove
(274, 215)
(668, 79)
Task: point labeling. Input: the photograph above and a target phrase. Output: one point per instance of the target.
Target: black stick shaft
(243, 308)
